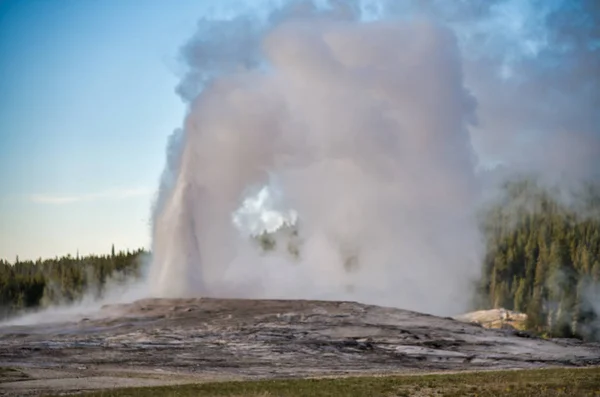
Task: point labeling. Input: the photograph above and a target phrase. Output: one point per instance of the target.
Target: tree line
(542, 258)
(26, 285)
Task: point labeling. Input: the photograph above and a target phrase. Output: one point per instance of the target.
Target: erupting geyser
(364, 126)
(357, 122)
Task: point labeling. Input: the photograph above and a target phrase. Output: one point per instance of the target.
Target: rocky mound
(216, 338)
(495, 318)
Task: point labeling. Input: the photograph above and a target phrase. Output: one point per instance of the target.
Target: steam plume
(364, 113)
(365, 126)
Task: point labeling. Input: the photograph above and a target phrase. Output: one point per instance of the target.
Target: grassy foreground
(547, 382)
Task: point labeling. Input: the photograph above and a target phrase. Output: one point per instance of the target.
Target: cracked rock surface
(191, 339)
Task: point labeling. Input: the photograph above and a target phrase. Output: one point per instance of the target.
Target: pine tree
(520, 304)
(595, 273)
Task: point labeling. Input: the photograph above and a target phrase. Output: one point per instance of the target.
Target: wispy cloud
(113, 194)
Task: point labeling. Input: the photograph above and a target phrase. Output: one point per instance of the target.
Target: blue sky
(87, 103)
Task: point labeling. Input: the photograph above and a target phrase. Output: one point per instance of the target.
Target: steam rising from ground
(365, 126)
(377, 128)
(357, 118)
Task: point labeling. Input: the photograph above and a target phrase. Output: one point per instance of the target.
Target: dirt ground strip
(155, 342)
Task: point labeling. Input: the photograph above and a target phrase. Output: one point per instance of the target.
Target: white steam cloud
(365, 127)
(364, 113)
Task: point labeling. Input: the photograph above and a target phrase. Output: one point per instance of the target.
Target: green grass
(548, 382)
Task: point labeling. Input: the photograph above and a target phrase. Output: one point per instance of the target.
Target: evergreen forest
(29, 285)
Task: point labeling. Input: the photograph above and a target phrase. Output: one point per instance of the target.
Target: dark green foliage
(27, 285)
(541, 253)
(286, 237)
(266, 241)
